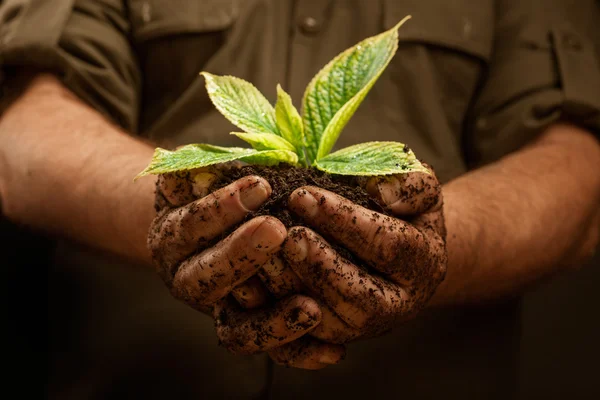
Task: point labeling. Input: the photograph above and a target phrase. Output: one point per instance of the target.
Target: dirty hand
(202, 271)
(408, 254)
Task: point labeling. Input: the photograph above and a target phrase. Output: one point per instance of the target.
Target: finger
(279, 279)
(253, 331)
(363, 301)
(250, 294)
(173, 190)
(180, 188)
(308, 353)
(389, 245)
(406, 194)
(211, 275)
(282, 281)
(184, 230)
(432, 222)
(333, 329)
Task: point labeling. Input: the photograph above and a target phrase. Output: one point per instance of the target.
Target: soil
(284, 179)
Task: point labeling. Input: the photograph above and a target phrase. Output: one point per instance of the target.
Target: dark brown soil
(284, 179)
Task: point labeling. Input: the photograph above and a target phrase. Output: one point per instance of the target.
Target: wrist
(462, 240)
(138, 238)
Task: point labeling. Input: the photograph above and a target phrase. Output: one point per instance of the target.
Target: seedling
(281, 135)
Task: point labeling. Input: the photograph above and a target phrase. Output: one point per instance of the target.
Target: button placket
(308, 23)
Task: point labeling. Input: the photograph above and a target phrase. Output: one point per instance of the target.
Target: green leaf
(272, 157)
(265, 141)
(370, 159)
(241, 103)
(202, 155)
(289, 121)
(337, 90)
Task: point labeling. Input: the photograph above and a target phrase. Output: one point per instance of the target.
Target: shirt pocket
(174, 40)
(151, 19)
(457, 36)
(443, 55)
(457, 26)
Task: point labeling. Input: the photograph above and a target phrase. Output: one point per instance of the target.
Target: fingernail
(389, 190)
(202, 183)
(298, 319)
(329, 358)
(296, 249)
(253, 196)
(304, 203)
(269, 234)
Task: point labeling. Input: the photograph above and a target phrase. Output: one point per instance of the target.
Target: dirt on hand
(284, 179)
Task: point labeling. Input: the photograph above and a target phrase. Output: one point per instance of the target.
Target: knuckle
(359, 315)
(411, 192)
(232, 337)
(227, 340)
(438, 257)
(176, 188)
(156, 231)
(181, 217)
(185, 288)
(160, 242)
(388, 247)
(161, 202)
(383, 316)
(177, 228)
(211, 206)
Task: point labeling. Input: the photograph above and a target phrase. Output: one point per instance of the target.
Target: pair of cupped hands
(287, 291)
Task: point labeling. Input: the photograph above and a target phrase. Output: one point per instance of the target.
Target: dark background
(560, 345)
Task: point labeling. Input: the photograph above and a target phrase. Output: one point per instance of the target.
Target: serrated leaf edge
(210, 79)
(329, 66)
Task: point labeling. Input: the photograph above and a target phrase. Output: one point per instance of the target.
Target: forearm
(66, 170)
(517, 221)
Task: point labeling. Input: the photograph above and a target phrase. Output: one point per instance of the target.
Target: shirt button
(310, 26)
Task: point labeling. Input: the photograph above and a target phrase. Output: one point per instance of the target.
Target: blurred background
(560, 345)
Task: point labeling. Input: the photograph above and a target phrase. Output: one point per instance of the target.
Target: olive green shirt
(471, 82)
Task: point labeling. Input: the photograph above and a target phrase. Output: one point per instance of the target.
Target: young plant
(280, 134)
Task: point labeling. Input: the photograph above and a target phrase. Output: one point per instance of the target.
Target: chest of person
(421, 98)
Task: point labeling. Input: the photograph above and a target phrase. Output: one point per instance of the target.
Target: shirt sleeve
(545, 68)
(84, 42)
